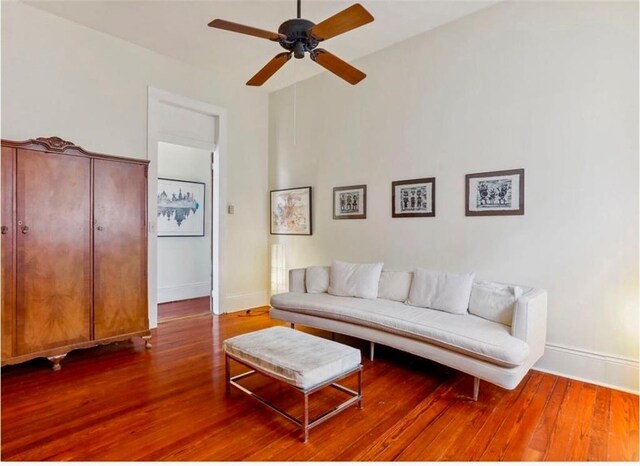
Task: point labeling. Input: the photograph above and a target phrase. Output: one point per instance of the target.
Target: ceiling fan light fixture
(298, 50)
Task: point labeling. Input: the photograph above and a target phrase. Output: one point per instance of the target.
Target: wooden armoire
(74, 249)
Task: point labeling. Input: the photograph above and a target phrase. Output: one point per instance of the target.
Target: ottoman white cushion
(297, 358)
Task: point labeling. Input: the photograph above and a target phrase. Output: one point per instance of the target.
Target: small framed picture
(180, 208)
(495, 193)
(413, 198)
(350, 202)
(291, 211)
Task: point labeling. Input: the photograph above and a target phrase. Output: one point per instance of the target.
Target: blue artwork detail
(178, 206)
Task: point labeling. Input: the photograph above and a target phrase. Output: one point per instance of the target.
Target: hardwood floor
(120, 402)
(182, 309)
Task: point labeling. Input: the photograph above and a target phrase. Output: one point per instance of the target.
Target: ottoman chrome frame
(305, 424)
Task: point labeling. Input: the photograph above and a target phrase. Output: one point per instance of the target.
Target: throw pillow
(395, 285)
(358, 280)
(317, 279)
(442, 291)
(494, 301)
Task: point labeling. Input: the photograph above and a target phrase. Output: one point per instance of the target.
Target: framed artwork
(350, 202)
(180, 207)
(413, 198)
(291, 211)
(495, 193)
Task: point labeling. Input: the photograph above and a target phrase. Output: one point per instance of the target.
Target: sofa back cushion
(494, 301)
(442, 291)
(395, 285)
(317, 279)
(357, 280)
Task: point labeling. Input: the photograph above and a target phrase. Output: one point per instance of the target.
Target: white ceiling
(179, 29)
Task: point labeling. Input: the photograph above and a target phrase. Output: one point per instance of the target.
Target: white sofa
(488, 350)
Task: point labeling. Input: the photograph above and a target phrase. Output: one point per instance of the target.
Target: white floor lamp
(278, 269)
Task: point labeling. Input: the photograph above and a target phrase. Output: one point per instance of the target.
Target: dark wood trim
(519, 211)
(145, 248)
(364, 202)
(414, 181)
(310, 211)
(59, 145)
(66, 348)
(9, 300)
(92, 232)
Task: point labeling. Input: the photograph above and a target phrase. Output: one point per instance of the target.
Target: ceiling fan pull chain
(299, 8)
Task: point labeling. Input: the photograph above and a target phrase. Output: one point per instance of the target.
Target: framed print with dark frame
(495, 193)
(180, 208)
(413, 198)
(291, 211)
(350, 202)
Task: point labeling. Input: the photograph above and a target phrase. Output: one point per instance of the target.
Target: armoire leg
(147, 341)
(56, 360)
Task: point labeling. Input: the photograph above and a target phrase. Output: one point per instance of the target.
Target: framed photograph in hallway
(495, 193)
(180, 207)
(291, 211)
(350, 202)
(413, 198)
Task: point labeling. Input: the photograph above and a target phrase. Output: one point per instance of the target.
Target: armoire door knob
(24, 229)
(99, 228)
(4, 230)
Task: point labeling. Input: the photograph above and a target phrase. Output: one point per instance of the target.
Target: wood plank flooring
(184, 308)
(122, 402)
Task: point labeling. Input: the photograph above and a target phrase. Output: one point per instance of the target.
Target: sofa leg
(372, 347)
(292, 325)
(476, 388)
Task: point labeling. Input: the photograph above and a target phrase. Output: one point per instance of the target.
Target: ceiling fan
(299, 36)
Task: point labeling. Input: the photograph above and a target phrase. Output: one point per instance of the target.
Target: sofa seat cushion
(468, 334)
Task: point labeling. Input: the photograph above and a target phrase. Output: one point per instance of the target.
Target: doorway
(191, 124)
(184, 225)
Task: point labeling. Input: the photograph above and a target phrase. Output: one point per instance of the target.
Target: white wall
(184, 263)
(550, 87)
(63, 79)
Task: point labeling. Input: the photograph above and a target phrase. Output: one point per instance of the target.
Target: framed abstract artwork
(413, 198)
(291, 211)
(495, 193)
(350, 202)
(180, 207)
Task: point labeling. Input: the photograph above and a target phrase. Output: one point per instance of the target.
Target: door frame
(155, 134)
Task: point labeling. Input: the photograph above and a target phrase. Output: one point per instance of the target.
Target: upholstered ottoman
(305, 362)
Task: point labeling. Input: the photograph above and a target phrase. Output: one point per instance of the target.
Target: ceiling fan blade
(269, 69)
(337, 66)
(242, 29)
(348, 19)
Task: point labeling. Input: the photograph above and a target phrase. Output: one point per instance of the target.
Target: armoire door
(120, 248)
(8, 263)
(53, 250)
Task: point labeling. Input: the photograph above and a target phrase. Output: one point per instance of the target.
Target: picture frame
(495, 193)
(350, 202)
(413, 198)
(181, 208)
(291, 211)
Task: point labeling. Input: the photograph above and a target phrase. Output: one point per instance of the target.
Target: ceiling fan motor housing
(298, 38)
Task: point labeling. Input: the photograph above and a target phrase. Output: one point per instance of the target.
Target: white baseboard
(241, 302)
(597, 368)
(186, 291)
